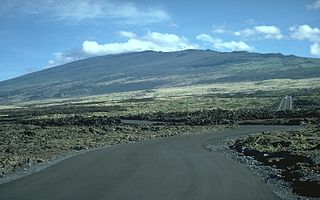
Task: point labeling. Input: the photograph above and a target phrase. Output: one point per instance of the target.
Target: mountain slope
(150, 69)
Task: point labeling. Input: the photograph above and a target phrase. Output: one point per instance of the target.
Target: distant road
(285, 104)
(171, 168)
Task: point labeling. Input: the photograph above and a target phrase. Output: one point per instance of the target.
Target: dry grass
(187, 98)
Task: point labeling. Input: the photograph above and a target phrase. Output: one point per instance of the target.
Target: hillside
(150, 70)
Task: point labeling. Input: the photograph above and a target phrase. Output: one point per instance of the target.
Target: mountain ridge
(150, 69)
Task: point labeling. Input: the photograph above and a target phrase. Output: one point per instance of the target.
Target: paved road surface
(171, 168)
(286, 103)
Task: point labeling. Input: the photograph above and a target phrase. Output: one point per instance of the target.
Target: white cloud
(131, 14)
(173, 25)
(305, 32)
(60, 58)
(207, 38)
(315, 49)
(151, 41)
(127, 34)
(250, 21)
(219, 44)
(78, 10)
(245, 32)
(261, 32)
(233, 46)
(314, 5)
(220, 29)
(269, 32)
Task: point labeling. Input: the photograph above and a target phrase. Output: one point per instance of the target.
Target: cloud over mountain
(155, 41)
(151, 41)
(219, 44)
(261, 32)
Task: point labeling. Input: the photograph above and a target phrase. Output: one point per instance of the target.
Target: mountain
(150, 69)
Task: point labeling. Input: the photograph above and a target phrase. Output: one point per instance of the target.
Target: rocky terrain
(34, 135)
(241, 116)
(294, 155)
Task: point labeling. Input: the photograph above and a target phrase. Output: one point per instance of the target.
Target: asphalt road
(171, 168)
(286, 103)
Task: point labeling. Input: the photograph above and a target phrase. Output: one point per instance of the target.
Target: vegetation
(153, 70)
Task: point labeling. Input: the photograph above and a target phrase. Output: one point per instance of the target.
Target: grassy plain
(239, 95)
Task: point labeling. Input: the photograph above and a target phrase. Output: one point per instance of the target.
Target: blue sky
(37, 34)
